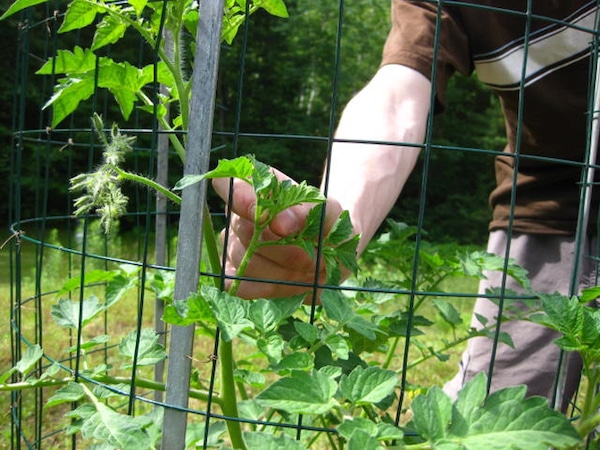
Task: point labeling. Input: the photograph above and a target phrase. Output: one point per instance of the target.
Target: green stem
(149, 183)
(391, 352)
(104, 379)
(177, 145)
(228, 397)
(590, 418)
(253, 245)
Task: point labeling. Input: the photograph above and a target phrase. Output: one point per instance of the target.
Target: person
(537, 56)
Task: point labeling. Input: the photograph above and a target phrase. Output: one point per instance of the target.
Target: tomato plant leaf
(241, 168)
(29, 358)
(149, 351)
(337, 307)
(506, 419)
(80, 14)
(294, 361)
(186, 312)
(306, 331)
(432, 413)
(69, 314)
(72, 392)
(264, 314)
(87, 345)
(274, 7)
(108, 31)
(267, 441)
(338, 346)
(301, 393)
(361, 440)
(590, 294)
(138, 5)
(73, 62)
(20, 5)
(119, 430)
(231, 312)
(68, 93)
(448, 312)
(349, 426)
(371, 385)
(272, 346)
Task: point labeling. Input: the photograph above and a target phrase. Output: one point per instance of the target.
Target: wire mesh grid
(66, 271)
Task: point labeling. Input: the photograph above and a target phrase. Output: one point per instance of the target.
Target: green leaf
(119, 430)
(76, 62)
(448, 312)
(562, 313)
(349, 426)
(121, 283)
(371, 385)
(186, 312)
(506, 419)
(266, 441)
(338, 346)
(231, 312)
(337, 307)
(432, 413)
(138, 5)
(274, 7)
(388, 432)
(91, 277)
(87, 345)
(30, 357)
(187, 180)
(294, 361)
(80, 14)
(19, 5)
(272, 346)
(307, 331)
(301, 393)
(361, 440)
(67, 95)
(590, 294)
(72, 392)
(363, 327)
(264, 314)
(108, 31)
(149, 351)
(241, 168)
(342, 229)
(195, 434)
(69, 314)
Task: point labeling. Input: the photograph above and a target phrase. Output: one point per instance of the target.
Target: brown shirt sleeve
(414, 42)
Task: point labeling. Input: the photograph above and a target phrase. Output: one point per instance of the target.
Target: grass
(38, 293)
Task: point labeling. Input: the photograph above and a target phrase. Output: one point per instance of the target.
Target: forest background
(289, 81)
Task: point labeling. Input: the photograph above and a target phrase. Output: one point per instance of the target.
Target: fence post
(189, 244)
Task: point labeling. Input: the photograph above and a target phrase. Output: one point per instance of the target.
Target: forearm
(367, 177)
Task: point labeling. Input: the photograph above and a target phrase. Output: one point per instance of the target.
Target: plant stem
(229, 400)
(590, 418)
(147, 182)
(104, 379)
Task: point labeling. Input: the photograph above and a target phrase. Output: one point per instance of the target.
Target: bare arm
(367, 178)
(364, 178)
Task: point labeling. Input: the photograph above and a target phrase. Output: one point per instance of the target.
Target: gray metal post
(202, 103)
(160, 227)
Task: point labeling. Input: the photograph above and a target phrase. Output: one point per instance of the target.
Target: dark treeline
(292, 94)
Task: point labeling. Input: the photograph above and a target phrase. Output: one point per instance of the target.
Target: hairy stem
(147, 182)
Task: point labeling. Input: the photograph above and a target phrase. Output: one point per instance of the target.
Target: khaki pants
(536, 360)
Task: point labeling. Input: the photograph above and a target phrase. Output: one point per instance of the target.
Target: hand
(289, 264)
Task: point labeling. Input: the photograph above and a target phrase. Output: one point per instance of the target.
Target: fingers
(287, 264)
